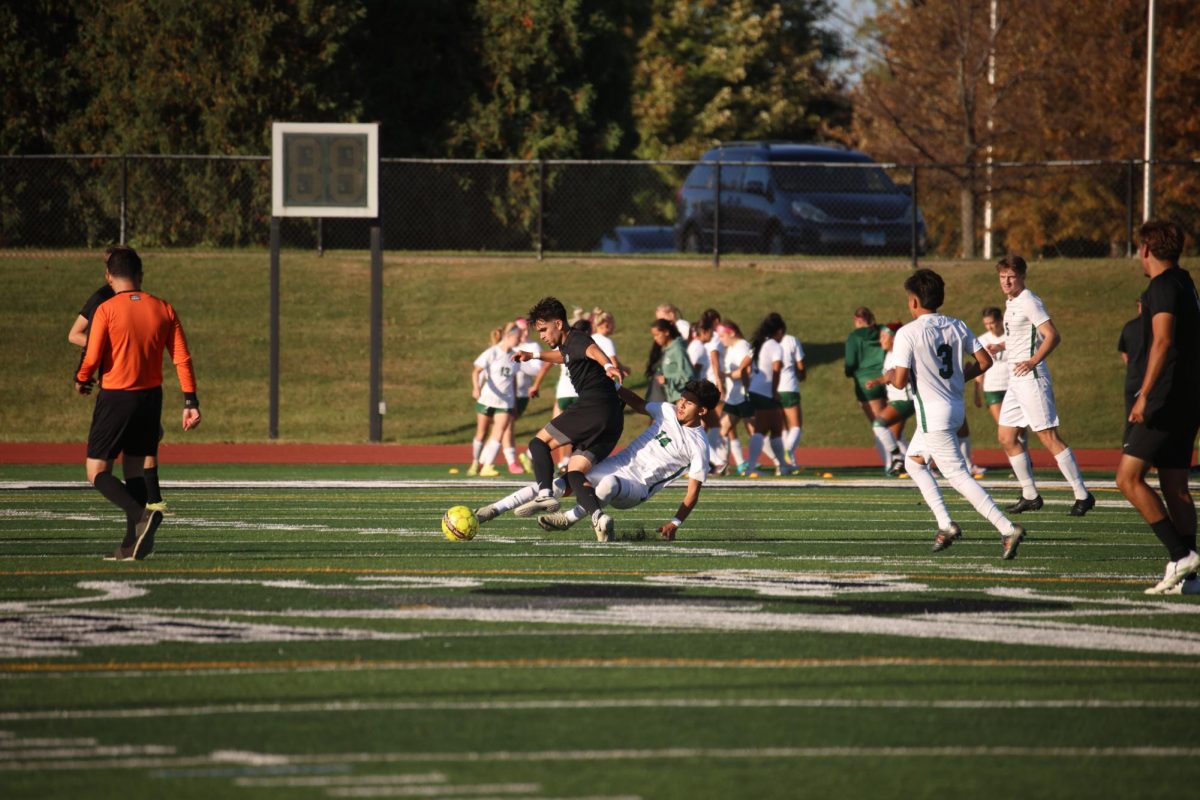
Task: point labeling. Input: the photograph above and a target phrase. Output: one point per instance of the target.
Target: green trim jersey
(933, 347)
(663, 452)
(793, 351)
(497, 381)
(895, 395)
(1022, 316)
(996, 378)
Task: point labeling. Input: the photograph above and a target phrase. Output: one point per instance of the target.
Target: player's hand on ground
(83, 388)
(191, 418)
(668, 531)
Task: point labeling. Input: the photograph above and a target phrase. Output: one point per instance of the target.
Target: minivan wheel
(691, 241)
(773, 242)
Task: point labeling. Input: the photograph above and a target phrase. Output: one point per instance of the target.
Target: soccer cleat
(515, 469)
(1024, 504)
(538, 505)
(473, 470)
(897, 465)
(161, 505)
(1083, 506)
(742, 469)
(144, 530)
(1175, 574)
(1189, 585)
(785, 470)
(489, 471)
(558, 521)
(486, 513)
(526, 462)
(603, 525)
(1011, 542)
(120, 554)
(946, 537)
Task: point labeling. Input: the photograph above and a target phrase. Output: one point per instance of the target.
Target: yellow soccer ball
(459, 524)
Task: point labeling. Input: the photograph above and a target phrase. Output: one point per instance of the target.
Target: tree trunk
(966, 197)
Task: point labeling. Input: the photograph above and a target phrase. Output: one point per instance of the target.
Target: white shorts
(940, 447)
(623, 490)
(1029, 404)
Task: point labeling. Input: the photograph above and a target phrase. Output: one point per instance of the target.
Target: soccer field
(318, 637)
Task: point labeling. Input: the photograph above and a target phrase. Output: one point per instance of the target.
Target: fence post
(124, 194)
(541, 189)
(916, 240)
(375, 376)
(1130, 167)
(717, 218)
(320, 237)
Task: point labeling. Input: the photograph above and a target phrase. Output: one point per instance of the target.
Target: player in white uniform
(930, 354)
(671, 446)
(527, 385)
(710, 369)
(766, 372)
(991, 385)
(888, 426)
(1030, 337)
(790, 375)
(735, 371)
(493, 385)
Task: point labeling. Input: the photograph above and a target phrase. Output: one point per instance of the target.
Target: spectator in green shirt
(674, 369)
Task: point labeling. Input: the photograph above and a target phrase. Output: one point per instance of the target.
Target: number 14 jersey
(933, 347)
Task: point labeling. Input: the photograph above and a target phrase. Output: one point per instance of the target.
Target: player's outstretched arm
(613, 371)
(549, 356)
(633, 400)
(685, 508)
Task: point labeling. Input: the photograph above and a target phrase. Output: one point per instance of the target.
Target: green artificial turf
(798, 640)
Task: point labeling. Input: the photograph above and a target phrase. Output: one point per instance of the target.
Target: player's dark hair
(928, 287)
(1163, 237)
(122, 261)
(772, 324)
(991, 312)
(705, 392)
(583, 326)
(865, 314)
(1013, 262)
(733, 326)
(548, 309)
(708, 319)
(665, 326)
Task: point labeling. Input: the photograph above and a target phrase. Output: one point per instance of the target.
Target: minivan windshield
(816, 178)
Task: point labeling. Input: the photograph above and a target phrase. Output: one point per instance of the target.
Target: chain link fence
(851, 210)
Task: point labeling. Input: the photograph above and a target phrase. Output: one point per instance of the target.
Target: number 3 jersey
(933, 347)
(663, 452)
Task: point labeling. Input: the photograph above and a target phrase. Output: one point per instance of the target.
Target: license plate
(874, 238)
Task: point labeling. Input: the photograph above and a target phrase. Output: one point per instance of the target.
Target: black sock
(153, 493)
(585, 495)
(1164, 529)
(543, 463)
(115, 492)
(137, 489)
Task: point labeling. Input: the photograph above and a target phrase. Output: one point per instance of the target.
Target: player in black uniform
(1165, 415)
(592, 425)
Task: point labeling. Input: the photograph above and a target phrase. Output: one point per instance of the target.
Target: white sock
(518, 498)
(1023, 469)
(735, 450)
(756, 446)
(964, 447)
(969, 488)
(924, 480)
(791, 440)
(775, 450)
(489, 452)
(1070, 470)
(510, 455)
(885, 456)
(476, 448)
(718, 447)
(577, 513)
(903, 445)
(885, 440)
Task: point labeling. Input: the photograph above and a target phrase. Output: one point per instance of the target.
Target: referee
(126, 341)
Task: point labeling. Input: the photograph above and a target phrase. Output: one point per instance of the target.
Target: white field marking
(346, 780)
(13, 742)
(983, 751)
(778, 583)
(695, 703)
(248, 758)
(86, 752)
(460, 790)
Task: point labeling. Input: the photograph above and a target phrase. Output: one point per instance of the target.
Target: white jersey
(793, 351)
(895, 395)
(1022, 316)
(714, 346)
(933, 348)
(763, 368)
(567, 389)
(684, 327)
(528, 370)
(698, 358)
(996, 378)
(663, 452)
(497, 381)
(734, 356)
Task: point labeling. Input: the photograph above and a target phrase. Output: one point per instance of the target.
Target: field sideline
(306, 632)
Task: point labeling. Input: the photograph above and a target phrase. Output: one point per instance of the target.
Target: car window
(731, 177)
(701, 177)
(817, 179)
(757, 173)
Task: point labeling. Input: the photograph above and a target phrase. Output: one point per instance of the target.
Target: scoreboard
(324, 169)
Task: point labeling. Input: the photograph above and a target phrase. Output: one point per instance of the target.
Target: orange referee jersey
(128, 335)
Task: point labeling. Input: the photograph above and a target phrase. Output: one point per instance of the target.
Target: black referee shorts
(1168, 447)
(126, 422)
(593, 428)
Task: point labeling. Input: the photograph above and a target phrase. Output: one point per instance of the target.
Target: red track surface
(75, 452)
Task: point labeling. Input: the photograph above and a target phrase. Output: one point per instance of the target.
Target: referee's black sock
(137, 488)
(1164, 529)
(543, 463)
(153, 493)
(115, 492)
(585, 495)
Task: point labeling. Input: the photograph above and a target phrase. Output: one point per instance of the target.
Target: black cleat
(1083, 506)
(145, 529)
(1011, 542)
(946, 537)
(1023, 505)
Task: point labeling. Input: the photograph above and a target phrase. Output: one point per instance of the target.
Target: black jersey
(1175, 391)
(587, 375)
(99, 296)
(1132, 346)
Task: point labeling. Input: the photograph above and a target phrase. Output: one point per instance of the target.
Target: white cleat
(1175, 573)
(486, 514)
(604, 526)
(558, 521)
(538, 505)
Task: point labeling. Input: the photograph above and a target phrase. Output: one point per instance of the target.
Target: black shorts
(1165, 448)
(126, 422)
(593, 428)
